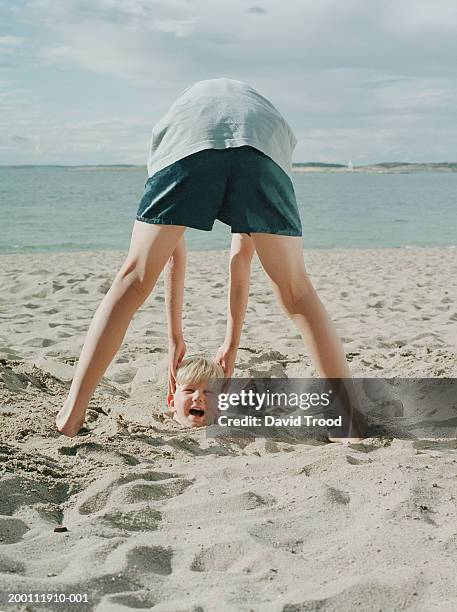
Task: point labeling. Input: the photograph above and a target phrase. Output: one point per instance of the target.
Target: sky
(84, 81)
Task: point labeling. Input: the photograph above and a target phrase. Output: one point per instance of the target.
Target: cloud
(410, 37)
(69, 139)
(362, 74)
(130, 14)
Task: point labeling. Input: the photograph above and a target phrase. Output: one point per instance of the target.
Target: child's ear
(171, 401)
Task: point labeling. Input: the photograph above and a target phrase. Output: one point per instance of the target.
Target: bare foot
(69, 423)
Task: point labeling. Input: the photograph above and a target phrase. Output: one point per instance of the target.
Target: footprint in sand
(18, 381)
(419, 506)
(143, 600)
(38, 342)
(132, 488)
(244, 501)
(338, 496)
(221, 557)
(355, 461)
(155, 559)
(354, 596)
(94, 451)
(50, 311)
(137, 492)
(140, 518)
(17, 492)
(10, 566)
(149, 476)
(437, 445)
(68, 451)
(315, 468)
(133, 560)
(286, 534)
(11, 530)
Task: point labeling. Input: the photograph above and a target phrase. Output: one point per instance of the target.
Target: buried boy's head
(194, 402)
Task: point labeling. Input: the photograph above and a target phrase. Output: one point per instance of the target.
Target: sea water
(51, 208)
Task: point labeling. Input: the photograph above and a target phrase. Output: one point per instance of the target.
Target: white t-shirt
(217, 114)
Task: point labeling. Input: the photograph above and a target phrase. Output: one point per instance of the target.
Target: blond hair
(197, 370)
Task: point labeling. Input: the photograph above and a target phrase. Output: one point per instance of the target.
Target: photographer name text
(301, 420)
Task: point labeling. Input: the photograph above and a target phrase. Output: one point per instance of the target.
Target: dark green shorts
(240, 186)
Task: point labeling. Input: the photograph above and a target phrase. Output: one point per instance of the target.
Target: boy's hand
(225, 357)
(176, 352)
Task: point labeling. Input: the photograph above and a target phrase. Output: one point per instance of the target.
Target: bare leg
(241, 252)
(150, 248)
(282, 259)
(174, 277)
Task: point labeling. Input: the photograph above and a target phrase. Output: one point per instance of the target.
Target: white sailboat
(350, 166)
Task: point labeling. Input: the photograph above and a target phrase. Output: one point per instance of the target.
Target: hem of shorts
(267, 231)
(156, 221)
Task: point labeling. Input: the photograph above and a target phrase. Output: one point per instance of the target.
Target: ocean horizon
(389, 166)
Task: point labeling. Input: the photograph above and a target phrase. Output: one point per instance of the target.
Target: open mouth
(196, 412)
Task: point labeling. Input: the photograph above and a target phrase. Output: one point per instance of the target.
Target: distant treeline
(317, 165)
(434, 165)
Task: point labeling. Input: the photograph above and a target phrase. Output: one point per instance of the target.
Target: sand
(172, 520)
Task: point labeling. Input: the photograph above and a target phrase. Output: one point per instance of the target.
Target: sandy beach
(162, 518)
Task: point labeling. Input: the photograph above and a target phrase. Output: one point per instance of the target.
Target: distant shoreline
(299, 167)
(382, 168)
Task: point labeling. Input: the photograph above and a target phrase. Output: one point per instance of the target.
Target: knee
(243, 253)
(296, 297)
(133, 279)
(240, 262)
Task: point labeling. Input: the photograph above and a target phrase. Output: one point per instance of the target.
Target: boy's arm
(241, 252)
(174, 296)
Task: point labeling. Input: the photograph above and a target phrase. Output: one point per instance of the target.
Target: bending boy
(222, 151)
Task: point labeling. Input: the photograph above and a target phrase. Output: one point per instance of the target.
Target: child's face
(194, 404)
